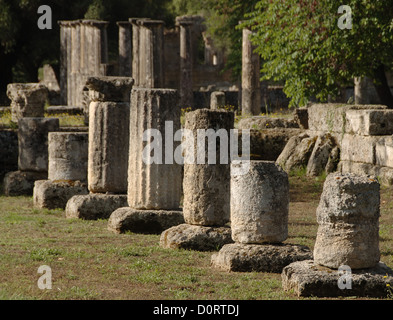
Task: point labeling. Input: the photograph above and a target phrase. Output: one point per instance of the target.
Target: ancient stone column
(67, 153)
(125, 48)
(27, 100)
(260, 204)
(155, 185)
(67, 172)
(206, 185)
(151, 53)
(65, 58)
(186, 61)
(135, 50)
(251, 94)
(108, 133)
(33, 143)
(348, 216)
(217, 100)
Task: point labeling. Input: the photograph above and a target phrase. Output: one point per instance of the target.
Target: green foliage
(301, 44)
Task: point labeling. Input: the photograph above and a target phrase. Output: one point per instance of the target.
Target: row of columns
(83, 53)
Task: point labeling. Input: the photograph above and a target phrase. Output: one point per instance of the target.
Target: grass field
(90, 262)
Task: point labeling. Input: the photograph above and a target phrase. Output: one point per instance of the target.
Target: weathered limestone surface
(18, 183)
(33, 142)
(108, 146)
(348, 213)
(217, 100)
(55, 194)
(321, 154)
(332, 118)
(273, 258)
(116, 89)
(369, 122)
(143, 221)
(297, 152)
(27, 100)
(192, 237)
(153, 185)
(68, 155)
(259, 204)
(206, 186)
(306, 278)
(94, 206)
(384, 174)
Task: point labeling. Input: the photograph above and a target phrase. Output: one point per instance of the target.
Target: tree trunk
(382, 86)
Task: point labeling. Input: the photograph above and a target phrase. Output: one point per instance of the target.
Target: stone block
(107, 88)
(18, 183)
(331, 117)
(297, 152)
(384, 151)
(348, 213)
(358, 148)
(259, 203)
(68, 155)
(320, 155)
(27, 100)
(143, 221)
(108, 147)
(193, 237)
(55, 194)
(273, 258)
(94, 206)
(369, 122)
(308, 279)
(33, 142)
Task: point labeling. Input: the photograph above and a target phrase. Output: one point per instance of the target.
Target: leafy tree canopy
(301, 43)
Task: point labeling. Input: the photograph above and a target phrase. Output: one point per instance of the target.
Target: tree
(301, 44)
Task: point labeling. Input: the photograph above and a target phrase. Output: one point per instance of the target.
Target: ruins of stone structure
(109, 116)
(154, 187)
(67, 170)
(27, 100)
(348, 237)
(259, 222)
(205, 188)
(32, 155)
(333, 131)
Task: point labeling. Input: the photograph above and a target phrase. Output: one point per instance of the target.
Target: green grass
(89, 262)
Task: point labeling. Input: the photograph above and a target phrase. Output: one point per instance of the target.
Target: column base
(144, 221)
(306, 278)
(94, 206)
(55, 194)
(194, 237)
(258, 257)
